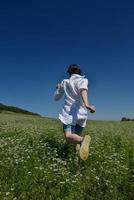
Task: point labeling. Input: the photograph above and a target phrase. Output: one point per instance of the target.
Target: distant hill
(16, 110)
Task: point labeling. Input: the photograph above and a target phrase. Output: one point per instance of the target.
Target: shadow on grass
(63, 150)
(58, 148)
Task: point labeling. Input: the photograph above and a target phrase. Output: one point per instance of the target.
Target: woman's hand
(58, 86)
(91, 108)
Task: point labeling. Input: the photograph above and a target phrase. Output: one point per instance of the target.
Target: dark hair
(74, 69)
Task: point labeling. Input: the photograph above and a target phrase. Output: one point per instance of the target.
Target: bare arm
(84, 95)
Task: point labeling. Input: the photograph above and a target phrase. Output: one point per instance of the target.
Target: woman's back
(72, 89)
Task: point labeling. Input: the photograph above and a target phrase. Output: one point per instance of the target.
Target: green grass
(37, 164)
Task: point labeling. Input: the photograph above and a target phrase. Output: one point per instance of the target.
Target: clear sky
(38, 39)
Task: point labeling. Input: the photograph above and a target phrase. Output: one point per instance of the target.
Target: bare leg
(77, 148)
(73, 138)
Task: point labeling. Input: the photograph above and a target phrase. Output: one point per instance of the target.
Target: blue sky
(38, 39)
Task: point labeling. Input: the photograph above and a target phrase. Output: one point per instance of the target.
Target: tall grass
(37, 164)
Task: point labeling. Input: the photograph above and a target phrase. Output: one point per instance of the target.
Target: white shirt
(73, 112)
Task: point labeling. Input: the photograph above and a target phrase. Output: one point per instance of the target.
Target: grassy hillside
(37, 164)
(15, 109)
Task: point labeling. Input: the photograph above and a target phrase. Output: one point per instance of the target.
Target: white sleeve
(83, 84)
(59, 92)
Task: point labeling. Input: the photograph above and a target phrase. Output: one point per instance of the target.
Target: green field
(37, 164)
